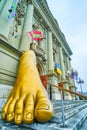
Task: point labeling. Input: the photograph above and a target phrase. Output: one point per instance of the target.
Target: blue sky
(72, 19)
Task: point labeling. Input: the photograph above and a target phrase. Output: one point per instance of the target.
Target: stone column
(2, 4)
(26, 40)
(5, 23)
(68, 95)
(50, 61)
(50, 51)
(68, 64)
(62, 62)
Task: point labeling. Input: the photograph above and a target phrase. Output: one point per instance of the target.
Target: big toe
(43, 111)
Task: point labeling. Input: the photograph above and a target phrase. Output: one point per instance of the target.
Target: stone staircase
(75, 113)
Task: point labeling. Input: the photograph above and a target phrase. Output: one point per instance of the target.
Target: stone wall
(9, 59)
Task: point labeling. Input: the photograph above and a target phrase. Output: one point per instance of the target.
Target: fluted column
(50, 51)
(26, 40)
(68, 64)
(5, 23)
(62, 62)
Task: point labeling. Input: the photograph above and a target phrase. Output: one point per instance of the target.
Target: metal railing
(61, 89)
(72, 92)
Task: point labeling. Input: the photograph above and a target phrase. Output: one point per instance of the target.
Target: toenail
(28, 115)
(9, 115)
(44, 106)
(18, 117)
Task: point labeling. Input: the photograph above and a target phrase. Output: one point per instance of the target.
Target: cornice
(6, 45)
(54, 25)
(30, 1)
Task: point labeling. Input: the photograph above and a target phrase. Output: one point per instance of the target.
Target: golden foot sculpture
(28, 99)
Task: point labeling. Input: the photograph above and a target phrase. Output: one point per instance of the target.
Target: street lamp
(80, 82)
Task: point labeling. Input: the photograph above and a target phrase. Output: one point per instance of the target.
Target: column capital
(50, 50)
(25, 41)
(59, 45)
(49, 29)
(62, 61)
(30, 1)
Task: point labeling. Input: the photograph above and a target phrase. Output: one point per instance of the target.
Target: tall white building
(14, 39)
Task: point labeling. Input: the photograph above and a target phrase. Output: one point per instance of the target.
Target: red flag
(36, 35)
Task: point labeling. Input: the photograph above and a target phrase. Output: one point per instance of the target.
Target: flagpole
(80, 81)
(59, 71)
(62, 106)
(74, 76)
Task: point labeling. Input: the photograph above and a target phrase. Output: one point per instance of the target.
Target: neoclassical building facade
(14, 39)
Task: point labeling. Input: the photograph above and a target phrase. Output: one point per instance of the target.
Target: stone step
(84, 125)
(11, 126)
(66, 107)
(75, 114)
(56, 104)
(77, 120)
(68, 102)
(73, 123)
(68, 113)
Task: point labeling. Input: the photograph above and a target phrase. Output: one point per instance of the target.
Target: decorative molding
(54, 47)
(20, 11)
(6, 45)
(19, 17)
(54, 25)
(49, 29)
